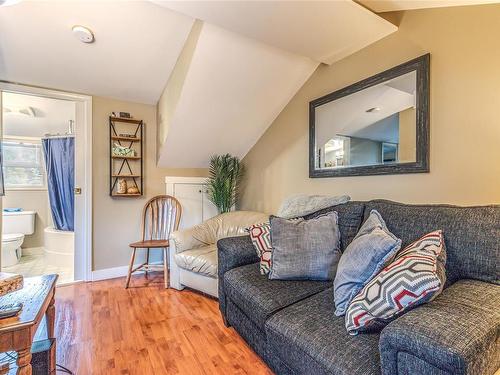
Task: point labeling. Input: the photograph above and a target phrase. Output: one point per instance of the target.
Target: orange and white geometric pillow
(260, 234)
(417, 275)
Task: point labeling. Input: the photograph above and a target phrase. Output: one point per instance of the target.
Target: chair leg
(165, 267)
(147, 263)
(132, 258)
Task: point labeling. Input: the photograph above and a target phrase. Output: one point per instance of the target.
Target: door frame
(86, 100)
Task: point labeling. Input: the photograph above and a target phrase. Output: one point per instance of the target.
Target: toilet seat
(12, 237)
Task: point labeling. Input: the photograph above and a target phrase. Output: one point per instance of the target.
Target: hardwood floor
(103, 328)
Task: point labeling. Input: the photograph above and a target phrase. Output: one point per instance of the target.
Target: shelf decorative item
(126, 157)
(132, 190)
(122, 186)
(119, 150)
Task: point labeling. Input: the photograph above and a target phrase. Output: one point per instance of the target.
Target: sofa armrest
(186, 239)
(233, 252)
(457, 333)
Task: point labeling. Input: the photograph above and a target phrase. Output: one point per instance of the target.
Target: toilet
(15, 226)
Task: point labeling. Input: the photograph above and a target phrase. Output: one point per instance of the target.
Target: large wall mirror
(377, 126)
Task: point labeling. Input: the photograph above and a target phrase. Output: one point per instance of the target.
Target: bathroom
(38, 170)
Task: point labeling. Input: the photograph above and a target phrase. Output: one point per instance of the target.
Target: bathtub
(59, 247)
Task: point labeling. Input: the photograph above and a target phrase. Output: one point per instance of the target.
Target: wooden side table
(16, 333)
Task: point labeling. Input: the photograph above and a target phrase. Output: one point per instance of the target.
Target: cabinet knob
(199, 191)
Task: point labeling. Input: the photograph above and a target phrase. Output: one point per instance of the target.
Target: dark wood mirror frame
(421, 165)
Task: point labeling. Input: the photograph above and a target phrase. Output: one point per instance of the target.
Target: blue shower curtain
(60, 164)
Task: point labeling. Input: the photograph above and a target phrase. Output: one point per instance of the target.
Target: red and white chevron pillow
(417, 275)
(260, 234)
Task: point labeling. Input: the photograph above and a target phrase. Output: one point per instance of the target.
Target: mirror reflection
(374, 126)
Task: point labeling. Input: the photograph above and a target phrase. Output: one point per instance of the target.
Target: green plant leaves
(225, 174)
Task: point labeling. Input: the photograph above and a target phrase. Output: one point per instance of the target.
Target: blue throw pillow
(369, 252)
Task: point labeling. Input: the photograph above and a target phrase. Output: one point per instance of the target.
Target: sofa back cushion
(350, 217)
(305, 249)
(472, 234)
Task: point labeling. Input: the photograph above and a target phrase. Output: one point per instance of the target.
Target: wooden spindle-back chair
(160, 217)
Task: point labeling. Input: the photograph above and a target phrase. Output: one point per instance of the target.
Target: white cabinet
(191, 192)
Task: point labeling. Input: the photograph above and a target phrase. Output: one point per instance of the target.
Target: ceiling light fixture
(5, 3)
(374, 109)
(84, 34)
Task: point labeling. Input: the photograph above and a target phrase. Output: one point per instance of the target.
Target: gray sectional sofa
(292, 326)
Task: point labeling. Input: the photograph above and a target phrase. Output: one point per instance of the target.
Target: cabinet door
(209, 209)
(190, 197)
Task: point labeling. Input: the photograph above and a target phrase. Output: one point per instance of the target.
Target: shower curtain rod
(51, 136)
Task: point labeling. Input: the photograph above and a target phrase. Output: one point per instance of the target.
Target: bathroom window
(23, 164)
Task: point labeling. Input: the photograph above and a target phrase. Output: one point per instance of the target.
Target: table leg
(4, 368)
(51, 318)
(24, 362)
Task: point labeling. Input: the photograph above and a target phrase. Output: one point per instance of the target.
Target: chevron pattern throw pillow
(260, 234)
(417, 275)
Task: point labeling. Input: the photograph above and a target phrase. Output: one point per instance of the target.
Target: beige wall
(31, 200)
(465, 128)
(407, 136)
(116, 221)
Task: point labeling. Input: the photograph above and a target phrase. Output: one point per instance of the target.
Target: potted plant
(225, 174)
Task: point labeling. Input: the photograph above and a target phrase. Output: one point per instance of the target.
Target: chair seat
(150, 244)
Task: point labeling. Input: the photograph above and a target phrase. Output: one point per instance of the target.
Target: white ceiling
(380, 6)
(137, 45)
(250, 59)
(325, 31)
(50, 115)
(234, 89)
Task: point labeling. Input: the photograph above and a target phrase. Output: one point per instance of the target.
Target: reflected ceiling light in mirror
(25, 111)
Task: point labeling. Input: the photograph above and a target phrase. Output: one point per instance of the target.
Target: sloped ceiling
(247, 61)
(234, 89)
(325, 31)
(380, 6)
(137, 45)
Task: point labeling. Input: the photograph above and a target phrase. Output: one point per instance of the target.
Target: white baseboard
(109, 273)
(113, 273)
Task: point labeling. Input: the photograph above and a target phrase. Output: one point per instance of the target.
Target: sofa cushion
(350, 218)
(305, 249)
(259, 298)
(416, 276)
(471, 234)
(202, 260)
(302, 204)
(372, 249)
(260, 234)
(312, 340)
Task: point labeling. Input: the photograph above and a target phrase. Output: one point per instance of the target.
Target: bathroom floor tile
(35, 264)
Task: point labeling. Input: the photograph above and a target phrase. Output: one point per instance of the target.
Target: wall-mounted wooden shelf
(120, 167)
(124, 119)
(125, 157)
(127, 139)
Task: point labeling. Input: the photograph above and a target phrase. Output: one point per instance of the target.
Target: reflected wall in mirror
(376, 126)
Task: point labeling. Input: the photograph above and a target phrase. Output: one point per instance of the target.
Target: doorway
(46, 215)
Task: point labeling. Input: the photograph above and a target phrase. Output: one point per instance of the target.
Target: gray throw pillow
(305, 249)
(371, 250)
